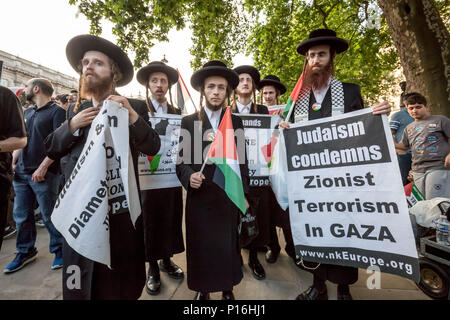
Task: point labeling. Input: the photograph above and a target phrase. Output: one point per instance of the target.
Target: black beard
(29, 97)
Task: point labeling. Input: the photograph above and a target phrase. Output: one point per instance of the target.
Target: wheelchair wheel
(434, 280)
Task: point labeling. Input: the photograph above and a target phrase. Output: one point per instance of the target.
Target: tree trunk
(423, 44)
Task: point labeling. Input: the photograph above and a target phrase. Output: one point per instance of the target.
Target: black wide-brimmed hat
(272, 80)
(322, 36)
(79, 45)
(156, 66)
(252, 71)
(214, 68)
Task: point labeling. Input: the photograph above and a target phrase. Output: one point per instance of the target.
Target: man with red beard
(103, 66)
(325, 96)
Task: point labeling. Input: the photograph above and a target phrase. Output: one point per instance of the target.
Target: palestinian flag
(294, 96)
(413, 194)
(267, 150)
(154, 162)
(182, 95)
(223, 154)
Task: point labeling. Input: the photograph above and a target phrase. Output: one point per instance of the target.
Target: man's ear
(36, 89)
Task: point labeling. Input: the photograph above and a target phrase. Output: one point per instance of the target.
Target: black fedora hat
(322, 36)
(79, 45)
(252, 71)
(156, 66)
(272, 80)
(214, 68)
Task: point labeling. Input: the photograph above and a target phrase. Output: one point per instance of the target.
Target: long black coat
(212, 240)
(163, 214)
(127, 277)
(352, 102)
(261, 200)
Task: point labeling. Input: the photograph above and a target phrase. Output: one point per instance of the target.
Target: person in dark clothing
(162, 209)
(327, 97)
(103, 66)
(249, 79)
(271, 88)
(36, 176)
(13, 136)
(212, 219)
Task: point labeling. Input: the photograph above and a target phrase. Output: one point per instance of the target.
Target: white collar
(214, 117)
(319, 94)
(244, 108)
(156, 104)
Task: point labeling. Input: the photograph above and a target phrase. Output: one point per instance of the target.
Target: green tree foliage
(139, 23)
(267, 30)
(282, 25)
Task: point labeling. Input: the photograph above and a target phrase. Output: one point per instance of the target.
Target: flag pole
(182, 81)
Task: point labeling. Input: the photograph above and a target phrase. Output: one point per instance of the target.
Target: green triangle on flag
(223, 154)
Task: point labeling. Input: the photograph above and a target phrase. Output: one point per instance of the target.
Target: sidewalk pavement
(284, 281)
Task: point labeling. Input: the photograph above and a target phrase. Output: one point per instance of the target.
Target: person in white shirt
(262, 197)
(212, 239)
(162, 208)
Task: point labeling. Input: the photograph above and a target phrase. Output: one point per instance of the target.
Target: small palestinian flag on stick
(223, 154)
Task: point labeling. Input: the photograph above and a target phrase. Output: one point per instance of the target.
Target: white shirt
(320, 94)
(161, 108)
(245, 109)
(214, 117)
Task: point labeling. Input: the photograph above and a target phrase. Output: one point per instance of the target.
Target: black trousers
(5, 192)
(281, 219)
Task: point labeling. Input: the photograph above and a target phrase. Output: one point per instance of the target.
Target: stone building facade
(17, 71)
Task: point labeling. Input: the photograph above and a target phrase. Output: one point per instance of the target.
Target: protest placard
(346, 200)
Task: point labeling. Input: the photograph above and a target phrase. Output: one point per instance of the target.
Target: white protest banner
(95, 189)
(158, 172)
(347, 205)
(258, 131)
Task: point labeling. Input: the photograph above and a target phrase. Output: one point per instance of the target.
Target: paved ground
(284, 281)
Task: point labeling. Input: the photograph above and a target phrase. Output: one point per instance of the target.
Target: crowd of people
(41, 145)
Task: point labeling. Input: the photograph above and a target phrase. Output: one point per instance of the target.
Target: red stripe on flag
(223, 144)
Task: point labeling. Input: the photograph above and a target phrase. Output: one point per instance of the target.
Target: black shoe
(227, 295)
(272, 255)
(153, 285)
(201, 296)
(312, 294)
(344, 296)
(9, 232)
(172, 270)
(257, 270)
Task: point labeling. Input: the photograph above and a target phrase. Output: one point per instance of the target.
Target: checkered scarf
(337, 101)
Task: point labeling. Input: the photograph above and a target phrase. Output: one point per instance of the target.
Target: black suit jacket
(126, 240)
(260, 109)
(212, 241)
(194, 163)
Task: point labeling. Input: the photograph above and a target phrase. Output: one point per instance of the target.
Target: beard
(30, 96)
(215, 106)
(318, 78)
(95, 86)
